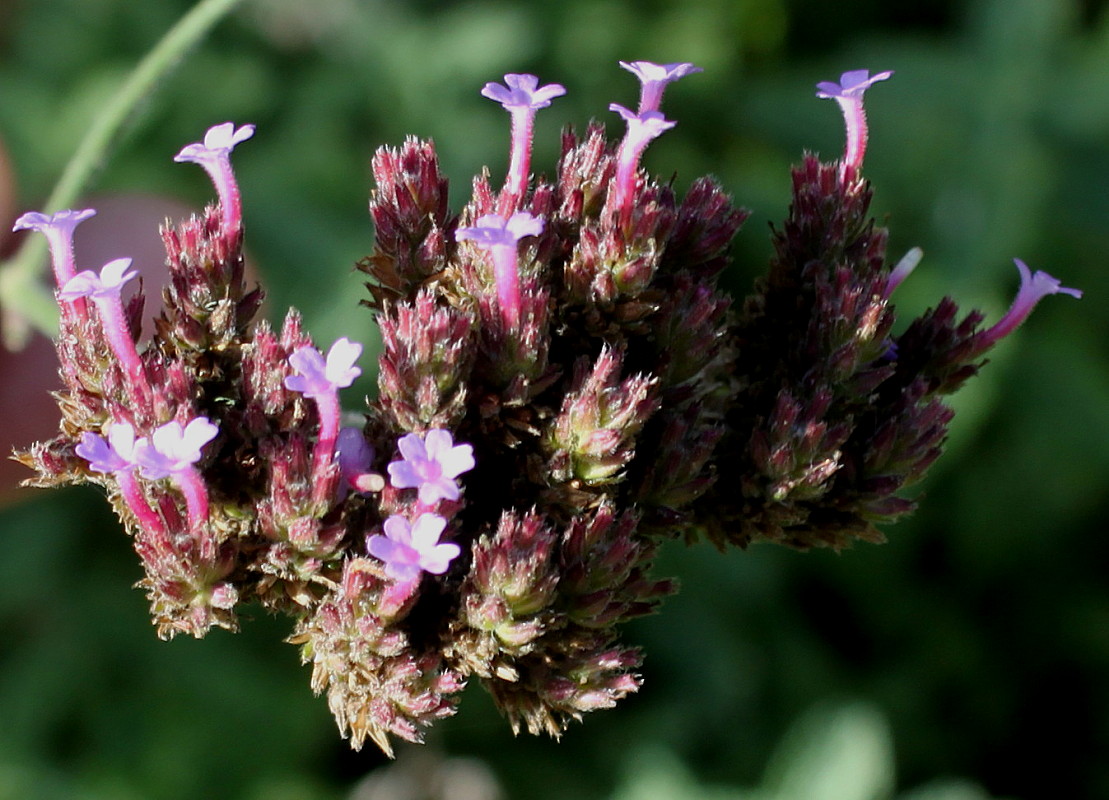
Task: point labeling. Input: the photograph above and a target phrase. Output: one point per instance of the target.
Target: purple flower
(654, 78)
(218, 143)
(431, 465)
(522, 91)
(58, 230)
(316, 378)
(642, 128)
(849, 94)
(173, 449)
(114, 454)
(108, 284)
(499, 235)
(407, 549)
(1033, 288)
(355, 456)
(851, 84)
(214, 154)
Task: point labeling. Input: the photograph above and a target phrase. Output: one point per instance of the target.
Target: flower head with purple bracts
(431, 464)
(314, 377)
(214, 154)
(522, 91)
(1034, 287)
(411, 548)
(499, 236)
(654, 78)
(173, 448)
(108, 284)
(849, 94)
(114, 454)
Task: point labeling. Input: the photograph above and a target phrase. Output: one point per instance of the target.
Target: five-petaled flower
(1033, 288)
(522, 91)
(108, 284)
(214, 154)
(499, 236)
(314, 377)
(114, 454)
(411, 548)
(172, 449)
(849, 94)
(431, 464)
(58, 230)
(654, 78)
(642, 128)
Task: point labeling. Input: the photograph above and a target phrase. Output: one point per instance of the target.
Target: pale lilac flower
(114, 454)
(1033, 288)
(499, 236)
(654, 78)
(58, 229)
(431, 465)
(642, 128)
(173, 449)
(849, 94)
(409, 549)
(104, 290)
(315, 377)
(108, 284)
(521, 96)
(214, 154)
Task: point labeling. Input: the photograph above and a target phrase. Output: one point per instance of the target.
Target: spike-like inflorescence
(562, 386)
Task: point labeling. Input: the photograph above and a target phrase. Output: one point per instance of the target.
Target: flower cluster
(562, 386)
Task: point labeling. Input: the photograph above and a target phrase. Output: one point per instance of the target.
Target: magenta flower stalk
(411, 548)
(172, 451)
(642, 129)
(116, 455)
(214, 154)
(500, 236)
(849, 94)
(105, 290)
(431, 465)
(58, 229)
(1033, 288)
(521, 97)
(654, 79)
(320, 381)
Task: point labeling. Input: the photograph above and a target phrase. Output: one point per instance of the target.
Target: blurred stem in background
(24, 301)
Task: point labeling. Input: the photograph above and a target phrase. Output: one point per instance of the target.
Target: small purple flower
(521, 96)
(355, 456)
(499, 236)
(108, 284)
(849, 94)
(642, 128)
(58, 229)
(114, 454)
(315, 377)
(431, 465)
(173, 449)
(214, 154)
(1033, 288)
(408, 549)
(654, 78)
(522, 91)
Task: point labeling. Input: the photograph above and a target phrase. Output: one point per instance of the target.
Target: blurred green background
(975, 644)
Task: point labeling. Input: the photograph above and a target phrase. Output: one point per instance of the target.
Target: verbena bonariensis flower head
(849, 94)
(542, 431)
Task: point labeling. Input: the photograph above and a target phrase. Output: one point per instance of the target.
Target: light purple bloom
(355, 456)
(408, 549)
(114, 454)
(317, 378)
(108, 284)
(173, 449)
(654, 78)
(849, 94)
(642, 128)
(431, 464)
(214, 154)
(58, 229)
(500, 236)
(522, 91)
(1033, 288)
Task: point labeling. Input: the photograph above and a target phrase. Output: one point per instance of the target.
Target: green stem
(26, 303)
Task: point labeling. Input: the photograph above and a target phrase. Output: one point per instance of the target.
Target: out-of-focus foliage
(981, 630)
